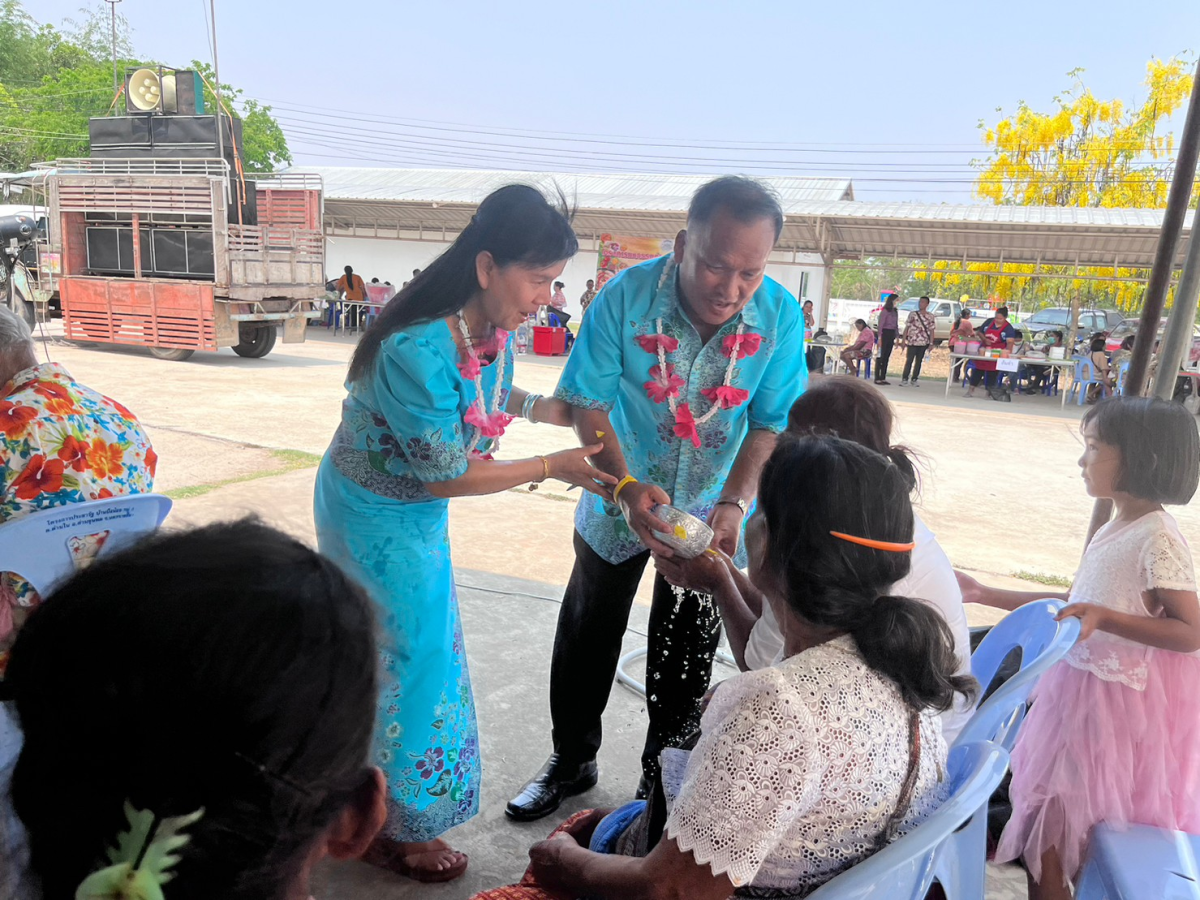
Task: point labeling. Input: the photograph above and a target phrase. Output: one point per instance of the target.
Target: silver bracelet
(527, 406)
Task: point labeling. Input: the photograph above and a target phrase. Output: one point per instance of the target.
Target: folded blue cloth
(611, 827)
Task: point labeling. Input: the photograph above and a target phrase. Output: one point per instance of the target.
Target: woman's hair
(229, 669)
(1158, 443)
(515, 224)
(1098, 343)
(889, 302)
(1127, 344)
(816, 485)
(860, 324)
(851, 409)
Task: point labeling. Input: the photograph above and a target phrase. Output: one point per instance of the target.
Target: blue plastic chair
(858, 373)
(1135, 861)
(1042, 641)
(949, 848)
(1085, 376)
(37, 546)
(1122, 374)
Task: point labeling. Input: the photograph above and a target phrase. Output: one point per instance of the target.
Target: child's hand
(972, 590)
(1091, 617)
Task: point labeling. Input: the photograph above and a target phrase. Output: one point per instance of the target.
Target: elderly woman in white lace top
(803, 769)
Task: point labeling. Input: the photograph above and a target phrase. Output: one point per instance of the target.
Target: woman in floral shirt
(429, 394)
(60, 443)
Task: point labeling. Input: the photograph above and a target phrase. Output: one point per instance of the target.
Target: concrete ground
(1001, 489)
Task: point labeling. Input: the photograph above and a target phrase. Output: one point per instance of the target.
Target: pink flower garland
(664, 385)
(487, 424)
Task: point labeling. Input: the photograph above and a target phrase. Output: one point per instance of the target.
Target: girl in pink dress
(1114, 732)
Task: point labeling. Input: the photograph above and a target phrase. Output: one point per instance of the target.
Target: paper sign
(1007, 365)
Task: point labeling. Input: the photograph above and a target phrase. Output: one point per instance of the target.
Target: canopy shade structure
(822, 217)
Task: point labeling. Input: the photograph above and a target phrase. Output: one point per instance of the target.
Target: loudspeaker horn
(144, 90)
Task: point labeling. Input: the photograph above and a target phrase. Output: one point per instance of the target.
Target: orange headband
(873, 544)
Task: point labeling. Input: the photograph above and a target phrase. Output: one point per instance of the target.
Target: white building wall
(393, 260)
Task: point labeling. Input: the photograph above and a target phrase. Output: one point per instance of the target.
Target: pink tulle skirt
(1095, 751)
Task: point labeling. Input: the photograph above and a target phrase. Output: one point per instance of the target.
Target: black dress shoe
(554, 783)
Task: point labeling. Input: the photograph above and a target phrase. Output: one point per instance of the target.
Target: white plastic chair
(39, 547)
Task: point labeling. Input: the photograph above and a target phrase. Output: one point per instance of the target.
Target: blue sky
(841, 89)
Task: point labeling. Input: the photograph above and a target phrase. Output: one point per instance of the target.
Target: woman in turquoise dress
(429, 394)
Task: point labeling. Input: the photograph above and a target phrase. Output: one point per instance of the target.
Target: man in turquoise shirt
(687, 366)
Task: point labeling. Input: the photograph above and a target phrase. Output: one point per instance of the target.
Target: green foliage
(1043, 578)
(265, 147)
(52, 80)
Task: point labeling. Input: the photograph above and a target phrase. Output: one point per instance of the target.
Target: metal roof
(590, 191)
(821, 216)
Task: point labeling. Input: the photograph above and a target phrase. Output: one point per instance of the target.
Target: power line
(406, 151)
(558, 136)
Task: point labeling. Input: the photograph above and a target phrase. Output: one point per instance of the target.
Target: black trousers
(682, 640)
(887, 339)
(916, 357)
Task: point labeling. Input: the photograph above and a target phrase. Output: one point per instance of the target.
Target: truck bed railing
(213, 168)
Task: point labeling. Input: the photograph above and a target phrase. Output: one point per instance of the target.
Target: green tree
(265, 146)
(53, 81)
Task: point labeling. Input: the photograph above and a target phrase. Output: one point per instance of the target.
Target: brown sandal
(389, 855)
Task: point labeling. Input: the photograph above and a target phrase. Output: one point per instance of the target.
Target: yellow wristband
(627, 480)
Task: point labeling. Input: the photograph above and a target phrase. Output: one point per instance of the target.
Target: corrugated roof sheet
(598, 191)
(440, 202)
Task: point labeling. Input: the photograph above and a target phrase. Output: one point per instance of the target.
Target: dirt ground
(1001, 487)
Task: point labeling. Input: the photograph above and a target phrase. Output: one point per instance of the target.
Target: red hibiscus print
(651, 342)
(58, 398)
(122, 410)
(103, 494)
(685, 425)
(726, 397)
(40, 476)
(106, 460)
(14, 418)
(73, 453)
(747, 344)
(151, 461)
(659, 388)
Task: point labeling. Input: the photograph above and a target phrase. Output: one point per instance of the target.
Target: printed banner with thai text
(618, 253)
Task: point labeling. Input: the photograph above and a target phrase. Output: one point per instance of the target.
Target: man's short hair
(923, 297)
(14, 332)
(746, 199)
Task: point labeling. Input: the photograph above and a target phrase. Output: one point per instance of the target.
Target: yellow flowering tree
(1085, 153)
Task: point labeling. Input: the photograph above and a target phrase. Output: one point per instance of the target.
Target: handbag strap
(888, 833)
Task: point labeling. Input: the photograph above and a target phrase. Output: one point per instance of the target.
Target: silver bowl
(689, 536)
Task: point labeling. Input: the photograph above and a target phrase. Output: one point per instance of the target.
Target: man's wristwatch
(733, 501)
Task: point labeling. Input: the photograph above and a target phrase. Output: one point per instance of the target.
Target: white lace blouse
(798, 769)
(1123, 561)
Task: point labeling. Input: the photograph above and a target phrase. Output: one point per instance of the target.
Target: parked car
(1091, 321)
(945, 312)
(1129, 327)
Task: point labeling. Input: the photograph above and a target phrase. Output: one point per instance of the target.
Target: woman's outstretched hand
(574, 467)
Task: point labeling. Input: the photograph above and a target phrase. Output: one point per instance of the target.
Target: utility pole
(1160, 275)
(1178, 337)
(112, 5)
(212, 6)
